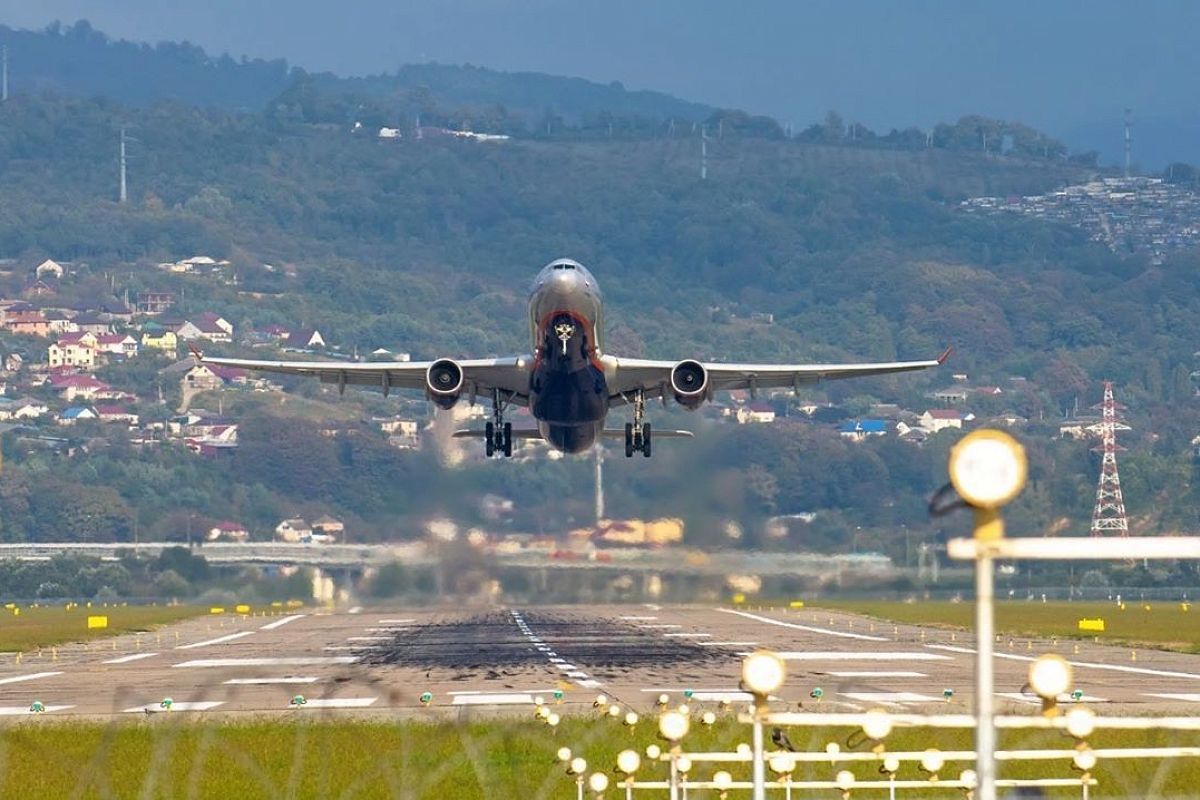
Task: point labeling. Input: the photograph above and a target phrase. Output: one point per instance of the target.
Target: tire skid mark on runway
(862, 637)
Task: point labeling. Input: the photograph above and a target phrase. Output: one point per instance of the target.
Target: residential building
(228, 531)
(73, 350)
(304, 340)
(48, 269)
(209, 326)
(154, 302)
(117, 414)
(74, 414)
(71, 387)
(165, 342)
(293, 530)
(939, 419)
(92, 322)
(117, 344)
(329, 526)
(861, 430)
(27, 323)
(755, 413)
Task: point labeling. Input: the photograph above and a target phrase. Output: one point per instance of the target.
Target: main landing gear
(637, 433)
(497, 435)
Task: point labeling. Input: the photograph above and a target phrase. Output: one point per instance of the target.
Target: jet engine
(689, 383)
(444, 382)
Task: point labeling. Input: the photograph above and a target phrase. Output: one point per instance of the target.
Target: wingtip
(945, 355)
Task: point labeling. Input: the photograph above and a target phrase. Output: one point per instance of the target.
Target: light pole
(673, 726)
(763, 672)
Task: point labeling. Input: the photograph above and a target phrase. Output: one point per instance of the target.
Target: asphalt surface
(380, 662)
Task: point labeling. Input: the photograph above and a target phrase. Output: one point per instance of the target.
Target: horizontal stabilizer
(516, 434)
(657, 433)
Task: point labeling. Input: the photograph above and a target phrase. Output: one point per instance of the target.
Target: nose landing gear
(637, 433)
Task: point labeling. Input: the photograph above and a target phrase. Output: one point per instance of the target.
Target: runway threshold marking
(891, 697)
(182, 705)
(127, 659)
(1184, 697)
(1161, 673)
(297, 661)
(863, 637)
(832, 655)
(727, 644)
(368, 638)
(339, 702)
(492, 699)
(689, 635)
(396, 621)
(30, 677)
(708, 695)
(877, 674)
(279, 623)
(219, 640)
(638, 619)
(21, 711)
(661, 626)
(1034, 700)
(268, 681)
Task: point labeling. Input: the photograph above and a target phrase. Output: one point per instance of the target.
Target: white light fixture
(598, 782)
(614, 711)
(763, 672)
(631, 719)
(683, 764)
(891, 765)
(628, 761)
(653, 752)
(877, 724)
(601, 700)
(663, 699)
(845, 780)
(722, 780)
(988, 468)
(969, 779)
(833, 748)
(552, 720)
(1081, 722)
(783, 765)
(932, 761)
(1050, 676)
(709, 718)
(564, 754)
(685, 709)
(537, 701)
(743, 750)
(1085, 759)
(578, 766)
(673, 726)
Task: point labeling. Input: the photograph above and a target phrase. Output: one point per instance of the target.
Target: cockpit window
(566, 265)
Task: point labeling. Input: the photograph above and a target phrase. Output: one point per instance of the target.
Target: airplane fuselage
(568, 395)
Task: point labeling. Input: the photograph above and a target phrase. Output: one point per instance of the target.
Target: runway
(379, 662)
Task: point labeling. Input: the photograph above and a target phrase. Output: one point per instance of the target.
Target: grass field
(179, 758)
(1160, 625)
(46, 626)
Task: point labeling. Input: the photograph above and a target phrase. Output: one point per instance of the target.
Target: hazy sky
(1066, 67)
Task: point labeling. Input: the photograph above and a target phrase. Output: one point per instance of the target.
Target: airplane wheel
(508, 440)
(646, 440)
(489, 438)
(629, 440)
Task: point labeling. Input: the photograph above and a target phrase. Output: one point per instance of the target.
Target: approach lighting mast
(1108, 517)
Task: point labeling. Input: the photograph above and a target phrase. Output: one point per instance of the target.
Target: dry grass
(46, 626)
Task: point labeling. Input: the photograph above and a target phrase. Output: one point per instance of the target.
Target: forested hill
(79, 60)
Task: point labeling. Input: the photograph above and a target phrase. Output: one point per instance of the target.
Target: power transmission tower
(1108, 517)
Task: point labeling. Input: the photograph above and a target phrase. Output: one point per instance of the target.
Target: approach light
(891, 765)
(708, 718)
(538, 701)
(598, 782)
(663, 699)
(763, 672)
(1085, 759)
(628, 761)
(932, 761)
(683, 764)
(685, 709)
(601, 700)
(578, 766)
(552, 720)
(564, 754)
(614, 711)
(743, 750)
(782, 765)
(722, 780)
(988, 468)
(969, 779)
(845, 780)
(877, 724)
(653, 752)
(673, 726)
(1081, 722)
(1050, 676)
(631, 719)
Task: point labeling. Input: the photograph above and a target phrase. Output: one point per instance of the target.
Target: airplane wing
(654, 377)
(480, 376)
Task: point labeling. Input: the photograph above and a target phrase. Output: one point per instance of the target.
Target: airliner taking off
(569, 382)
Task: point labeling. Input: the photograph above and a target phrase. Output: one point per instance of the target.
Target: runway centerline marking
(279, 623)
(878, 674)
(809, 628)
(298, 661)
(219, 640)
(127, 659)
(30, 677)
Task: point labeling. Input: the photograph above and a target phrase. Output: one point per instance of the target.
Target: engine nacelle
(689, 383)
(444, 382)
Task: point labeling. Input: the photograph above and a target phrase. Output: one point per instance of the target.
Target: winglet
(942, 358)
(196, 354)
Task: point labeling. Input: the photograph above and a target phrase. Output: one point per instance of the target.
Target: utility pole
(124, 189)
(4, 76)
(703, 152)
(1128, 140)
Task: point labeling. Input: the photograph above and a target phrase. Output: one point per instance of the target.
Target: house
(70, 387)
(154, 302)
(73, 350)
(203, 377)
(755, 413)
(268, 334)
(13, 362)
(304, 340)
(228, 531)
(952, 395)
(938, 419)
(293, 530)
(117, 414)
(911, 433)
(25, 409)
(209, 326)
(332, 529)
(92, 322)
(165, 342)
(58, 321)
(860, 430)
(117, 344)
(27, 323)
(988, 391)
(48, 269)
(74, 414)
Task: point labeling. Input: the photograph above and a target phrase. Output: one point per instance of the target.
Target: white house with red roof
(72, 387)
(228, 531)
(208, 326)
(117, 344)
(939, 419)
(113, 413)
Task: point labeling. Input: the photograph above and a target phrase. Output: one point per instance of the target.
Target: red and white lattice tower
(1108, 517)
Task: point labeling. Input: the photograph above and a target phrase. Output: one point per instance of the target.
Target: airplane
(569, 382)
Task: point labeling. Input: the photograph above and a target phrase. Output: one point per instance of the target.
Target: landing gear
(637, 433)
(497, 435)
